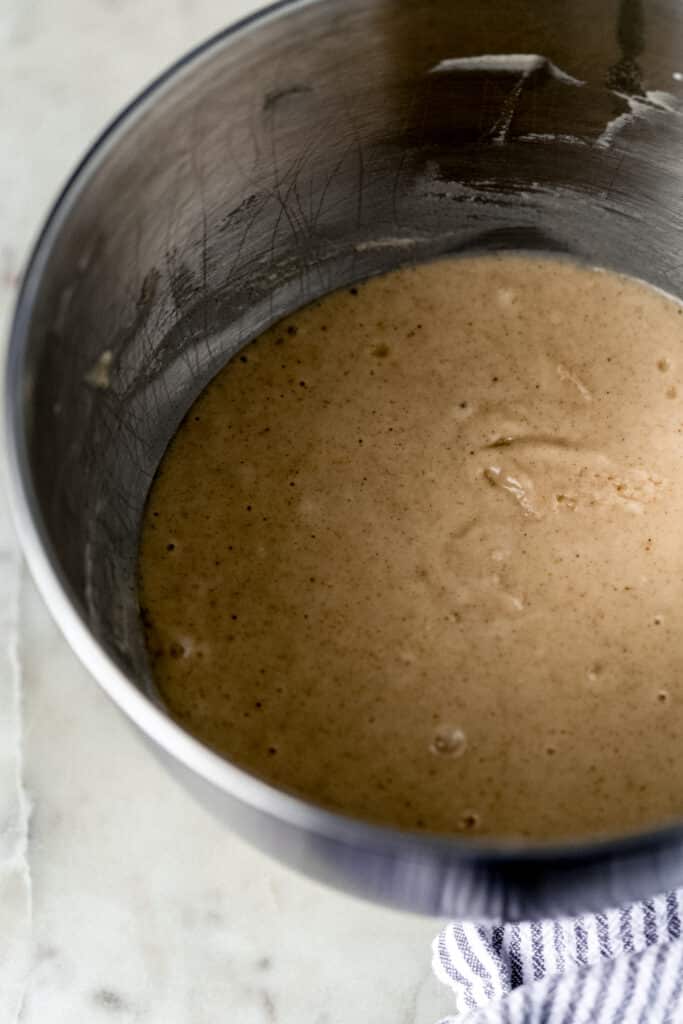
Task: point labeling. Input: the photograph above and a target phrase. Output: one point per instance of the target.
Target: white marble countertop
(120, 899)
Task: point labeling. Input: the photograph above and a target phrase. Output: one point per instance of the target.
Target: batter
(417, 552)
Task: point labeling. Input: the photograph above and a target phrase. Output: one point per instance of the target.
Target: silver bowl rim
(61, 602)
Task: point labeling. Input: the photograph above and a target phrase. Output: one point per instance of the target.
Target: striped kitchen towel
(618, 967)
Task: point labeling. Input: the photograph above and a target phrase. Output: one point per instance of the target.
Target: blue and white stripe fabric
(622, 966)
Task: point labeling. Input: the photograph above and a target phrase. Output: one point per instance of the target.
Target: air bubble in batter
(449, 741)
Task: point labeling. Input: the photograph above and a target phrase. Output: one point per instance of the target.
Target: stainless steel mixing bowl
(307, 147)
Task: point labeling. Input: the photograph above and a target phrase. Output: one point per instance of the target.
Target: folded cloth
(622, 966)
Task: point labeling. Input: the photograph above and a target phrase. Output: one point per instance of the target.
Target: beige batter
(417, 552)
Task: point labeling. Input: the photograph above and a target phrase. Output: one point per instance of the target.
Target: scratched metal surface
(264, 175)
(330, 142)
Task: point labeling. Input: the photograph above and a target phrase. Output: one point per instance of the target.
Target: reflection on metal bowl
(315, 144)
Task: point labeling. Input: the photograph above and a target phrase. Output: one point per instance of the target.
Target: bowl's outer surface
(315, 144)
